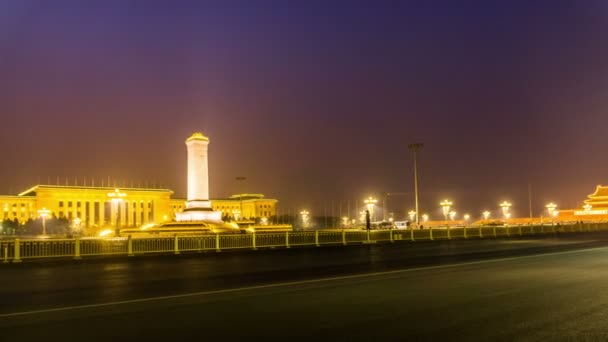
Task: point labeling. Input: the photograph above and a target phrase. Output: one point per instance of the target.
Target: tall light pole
(370, 202)
(415, 147)
(505, 206)
(44, 213)
(117, 197)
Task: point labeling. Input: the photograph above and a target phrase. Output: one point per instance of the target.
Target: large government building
(97, 207)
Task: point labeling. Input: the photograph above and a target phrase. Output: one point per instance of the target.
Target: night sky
(312, 101)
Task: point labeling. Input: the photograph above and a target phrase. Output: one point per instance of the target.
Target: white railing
(16, 250)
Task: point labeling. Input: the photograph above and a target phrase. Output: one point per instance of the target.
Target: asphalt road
(495, 290)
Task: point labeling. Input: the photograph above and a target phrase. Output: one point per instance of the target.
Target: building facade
(97, 207)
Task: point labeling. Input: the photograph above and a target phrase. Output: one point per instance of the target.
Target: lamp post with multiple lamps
(304, 215)
(76, 225)
(371, 202)
(412, 215)
(551, 210)
(445, 206)
(505, 207)
(44, 213)
(117, 198)
(587, 208)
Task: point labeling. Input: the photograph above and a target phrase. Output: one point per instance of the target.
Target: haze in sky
(312, 101)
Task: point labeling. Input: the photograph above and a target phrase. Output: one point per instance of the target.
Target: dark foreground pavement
(533, 289)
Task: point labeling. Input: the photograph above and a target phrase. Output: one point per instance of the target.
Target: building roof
(600, 191)
(33, 190)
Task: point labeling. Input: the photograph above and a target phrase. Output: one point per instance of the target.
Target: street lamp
(466, 217)
(415, 148)
(44, 213)
(412, 215)
(236, 214)
(446, 205)
(425, 217)
(486, 215)
(505, 206)
(370, 202)
(76, 224)
(117, 197)
(551, 209)
(587, 207)
(345, 221)
(304, 216)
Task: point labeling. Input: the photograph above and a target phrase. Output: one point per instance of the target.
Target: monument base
(199, 215)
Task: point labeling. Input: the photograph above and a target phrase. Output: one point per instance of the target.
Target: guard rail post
(255, 247)
(431, 233)
(176, 245)
(217, 242)
(464, 231)
(494, 231)
(480, 232)
(5, 249)
(449, 233)
(412, 233)
(287, 240)
(317, 238)
(17, 257)
(129, 246)
(368, 235)
(390, 232)
(344, 237)
(77, 248)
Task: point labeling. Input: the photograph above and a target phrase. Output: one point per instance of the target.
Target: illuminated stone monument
(198, 206)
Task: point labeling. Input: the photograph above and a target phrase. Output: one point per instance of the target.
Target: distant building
(138, 206)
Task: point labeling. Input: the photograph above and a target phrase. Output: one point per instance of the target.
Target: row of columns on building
(141, 214)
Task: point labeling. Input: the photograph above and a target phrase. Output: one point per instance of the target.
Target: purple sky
(312, 102)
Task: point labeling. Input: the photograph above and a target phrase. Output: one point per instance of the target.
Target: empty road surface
(527, 289)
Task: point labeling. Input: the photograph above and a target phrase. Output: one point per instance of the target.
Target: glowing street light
(466, 217)
(486, 215)
(117, 197)
(452, 215)
(551, 208)
(425, 217)
(76, 224)
(446, 205)
(345, 221)
(371, 202)
(505, 206)
(44, 213)
(305, 217)
(236, 213)
(412, 215)
(587, 207)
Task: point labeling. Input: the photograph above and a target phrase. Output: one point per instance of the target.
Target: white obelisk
(198, 206)
(198, 171)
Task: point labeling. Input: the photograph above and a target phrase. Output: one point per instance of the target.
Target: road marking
(301, 282)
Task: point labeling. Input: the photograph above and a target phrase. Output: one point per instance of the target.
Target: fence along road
(16, 250)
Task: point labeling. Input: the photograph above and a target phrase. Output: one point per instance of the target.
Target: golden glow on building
(94, 207)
